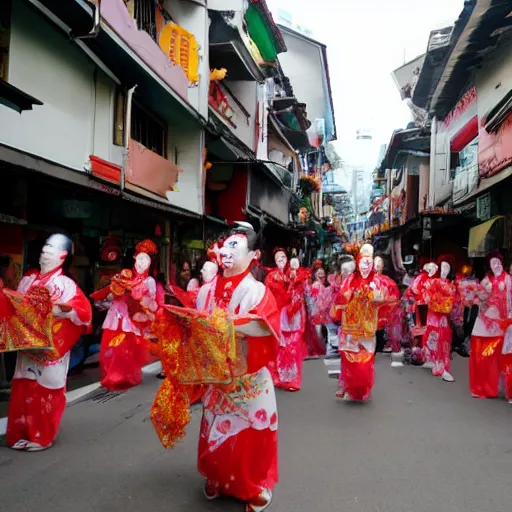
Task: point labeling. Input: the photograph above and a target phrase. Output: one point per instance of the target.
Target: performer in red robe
(287, 283)
(439, 295)
(131, 302)
(487, 360)
(359, 299)
(416, 307)
(238, 438)
(385, 312)
(38, 393)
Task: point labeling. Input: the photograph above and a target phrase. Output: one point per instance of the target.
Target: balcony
(150, 172)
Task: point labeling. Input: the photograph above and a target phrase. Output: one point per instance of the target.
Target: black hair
(68, 247)
(5, 263)
(253, 238)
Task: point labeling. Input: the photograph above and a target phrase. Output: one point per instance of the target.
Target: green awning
(262, 33)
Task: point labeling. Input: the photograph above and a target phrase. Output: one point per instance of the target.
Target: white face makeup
(53, 253)
(294, 264)
(378, 264)
(142, 263)
(281, 260)
(496, 266)
(430, 269)
(235, 255)
(365, 266)
(347, 268)
(445, 269)
(209, 271)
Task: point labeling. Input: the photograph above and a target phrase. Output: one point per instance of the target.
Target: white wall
(246, 93)
(302, 64)
(494, 78)
(194, 18)
(47, 65)
(441, 187)
(189, 143)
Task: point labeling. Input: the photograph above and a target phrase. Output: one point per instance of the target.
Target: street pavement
(419, 445)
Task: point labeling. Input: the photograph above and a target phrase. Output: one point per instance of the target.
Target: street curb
(79, 393)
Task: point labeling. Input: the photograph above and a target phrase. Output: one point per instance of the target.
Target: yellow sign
(182, 48)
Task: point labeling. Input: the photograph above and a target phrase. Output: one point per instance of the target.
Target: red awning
(465, 135)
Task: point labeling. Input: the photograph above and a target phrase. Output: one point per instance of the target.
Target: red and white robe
(238, 440)
(289, 295)
(491, 356)
(38, 393)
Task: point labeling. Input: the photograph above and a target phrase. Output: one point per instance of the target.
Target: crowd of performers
(229, 340)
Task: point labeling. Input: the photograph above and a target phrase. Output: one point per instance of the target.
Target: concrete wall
(189, 156)
(441, 186)
(494, 78)
(76, 119)
(302, 64)
(246, 93)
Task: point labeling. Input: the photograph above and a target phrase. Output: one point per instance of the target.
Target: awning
(16, 99)
(478, 237)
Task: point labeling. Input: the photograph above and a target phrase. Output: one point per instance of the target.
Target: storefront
(104, 226)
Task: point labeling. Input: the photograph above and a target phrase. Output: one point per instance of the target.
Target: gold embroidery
(57, 326)
(491, 348)
(117, 340)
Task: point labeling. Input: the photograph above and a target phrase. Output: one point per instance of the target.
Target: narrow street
(419, 445)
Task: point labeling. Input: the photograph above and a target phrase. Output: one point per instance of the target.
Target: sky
(366, 40)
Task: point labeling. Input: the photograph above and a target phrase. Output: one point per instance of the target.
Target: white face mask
(365, 266)
(496, 266)
(430, 269)
(445, 269)
(142, 263)
(236, 256)
(53, 254)
(294, 264)
(281, 260)
(378, 264)
(209, 271)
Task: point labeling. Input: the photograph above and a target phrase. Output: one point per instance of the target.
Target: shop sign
(464, 105)
(495, 148)
(483, 207)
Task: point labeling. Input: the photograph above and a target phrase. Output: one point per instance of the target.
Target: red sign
(464, 103)
(495, 148)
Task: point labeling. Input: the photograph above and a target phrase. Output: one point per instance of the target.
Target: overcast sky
(366, 40)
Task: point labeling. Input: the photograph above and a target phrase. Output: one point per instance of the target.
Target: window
(145, 14)
(5, 37)
(119, 117)
(147, 130)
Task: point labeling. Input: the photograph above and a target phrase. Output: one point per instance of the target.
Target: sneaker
(428, 366)
(36, 447)
(20, 445)
(261, 503)
(211, 490)
(447, 377)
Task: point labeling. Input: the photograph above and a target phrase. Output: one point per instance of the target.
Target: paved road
(421, 445)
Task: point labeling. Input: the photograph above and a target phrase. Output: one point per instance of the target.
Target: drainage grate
(102, 396)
